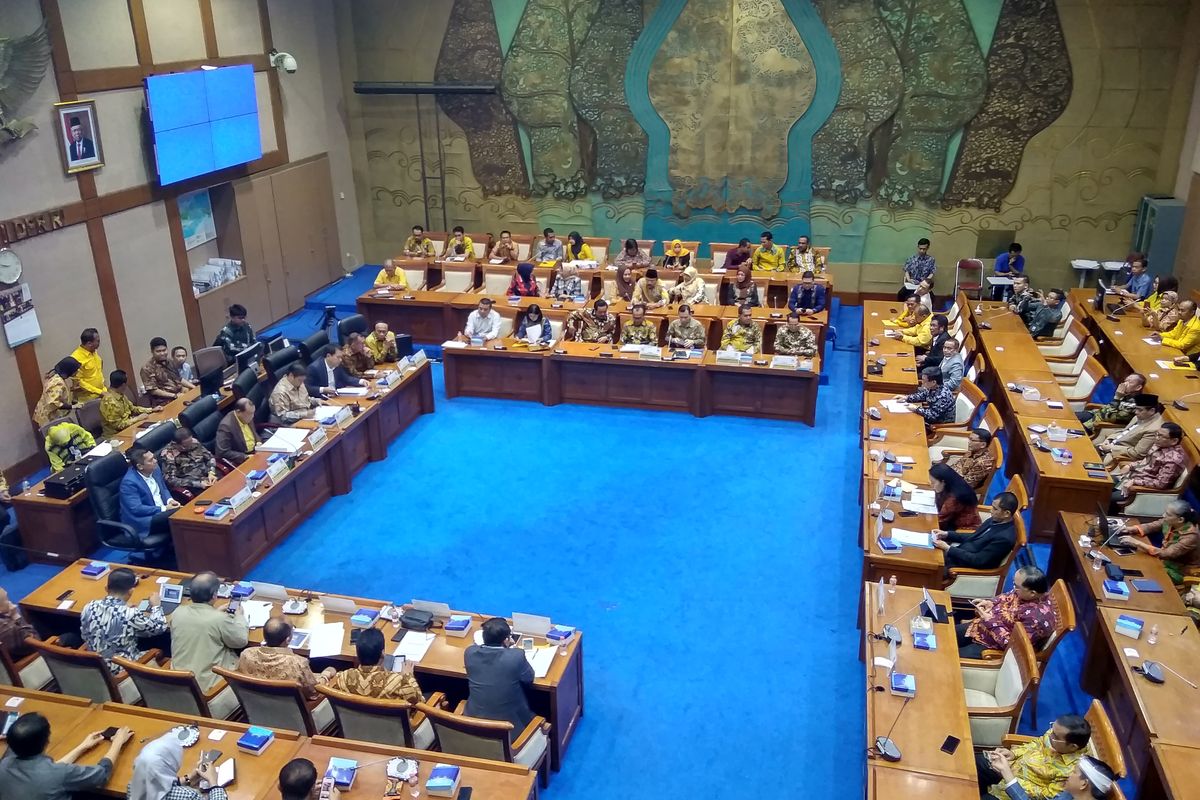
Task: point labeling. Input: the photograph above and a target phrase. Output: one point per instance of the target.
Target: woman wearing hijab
(689, 289)
(743, 290)
(677, 256)
(625, 282)
(156, 774)
(577, 249)
(1165, 316)
(55, 402)
(523, 284)
(535, 328)
(957, 504)
(632, 256)
(566, 282)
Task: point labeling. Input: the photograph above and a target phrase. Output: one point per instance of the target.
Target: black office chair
(102, 478)
(158, 437)
(205, 431)
(313, 347)
(197, 411)
(12, 554)
(244, 382)
(277, 364)
(351, 324)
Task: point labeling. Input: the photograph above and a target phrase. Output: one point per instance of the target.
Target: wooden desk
(515, 374)
(233, 544)
(558, 697)
(581, 375)
(64, 713)
(426, 315)
(1069, 561)
(939, 707)
(893, 784)
(1054, 487)
(494, 780)
(912, 566)
(1140, 710)
(256, 774)
(756, 390)
(66, 529)
(772, 318)
(997, 315)
(1176, 773)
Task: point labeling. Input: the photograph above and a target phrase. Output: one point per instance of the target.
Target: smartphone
(950, 745)
(144, 606)
(354, 633)
(464, 793)
(527, 644)
(233, 606)
(210, 756)
(204, 502)
(109, 732)
(908, 513)
(1134, 573)
(66, 594)
(393, 663)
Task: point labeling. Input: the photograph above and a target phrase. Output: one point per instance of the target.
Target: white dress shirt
(480, 327)
(155, 492)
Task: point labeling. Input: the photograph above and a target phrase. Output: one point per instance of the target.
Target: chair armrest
(22, 663)
(219, 687)
(1060, 359)
(530, 729)
(951, 452)
(968, 571)
(153, 654)
(990, 657)
(1013, 739)
(949, 427)
(436, 700)
(461, 708)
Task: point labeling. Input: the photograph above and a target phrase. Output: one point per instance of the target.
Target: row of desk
(65, 528)
(73, 718)
(558, 697)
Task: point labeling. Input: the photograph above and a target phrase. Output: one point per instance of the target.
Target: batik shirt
(973, 467)
(1161, 467)
(117, 413)
(584, 326)
(62, 455)
(161, 376)
(55, 401)
(566, 287)
(742, 337)
(1040, 769)
(679, 332)
(797, 342)
(358, 363)
(639, 333)
(234, 340)
(1008, 611)
(422, 245)
(186, 468)
(920, 267)
(935, 406)
(378, 682)
(279, 664)
(111, 628)
(385, 350)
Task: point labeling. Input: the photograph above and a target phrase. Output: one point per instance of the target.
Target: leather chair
(968, 584)
(176, 690)
(312, 348)
(996, 691)
(102, 479)
(205, 431)
(246, 380)
(158, 437)
(277, 363)
(351, 324)
(1103, 744)
(391, 722)
(89, 417)
(207, 359)
(279, 704)
(954, 441)
(82, 673)
(197, 411)
(29, 672)
(488, 738)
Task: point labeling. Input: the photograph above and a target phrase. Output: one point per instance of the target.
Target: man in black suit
(988, 545)
(80, 147)
(236, 435)
(938, 327)
(497, 673)
(327, 375)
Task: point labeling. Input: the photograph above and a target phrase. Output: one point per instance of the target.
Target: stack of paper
(327, 640)
(454, 344)
(102, 449)
(540, 658)
(257, 612)
(912, 538)
(325, 412)
(415, 645)
(353, 391)
(895, 406)
(285, 440)
(920, 501)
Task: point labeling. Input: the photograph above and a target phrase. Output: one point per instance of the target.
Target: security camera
(284, 61)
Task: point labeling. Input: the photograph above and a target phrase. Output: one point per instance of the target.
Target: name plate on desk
(389, 379)
(277, 469)
(240, 499)
(419, 358)
(317, 438)
(650, 352)
(729, 357)
(786, 362)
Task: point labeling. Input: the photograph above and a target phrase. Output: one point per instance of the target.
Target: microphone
(987, 326)
(885, 748)
(1179, 404)
(1112, 315)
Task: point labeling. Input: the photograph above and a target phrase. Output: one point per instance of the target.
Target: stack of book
(1129, 626)
(256, 739)
(1116, 590)
(903, 684)
(458, 625)
(443, 780)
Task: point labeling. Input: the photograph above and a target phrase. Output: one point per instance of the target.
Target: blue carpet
(668, 543)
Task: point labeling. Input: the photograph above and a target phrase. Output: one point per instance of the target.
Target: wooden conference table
(64, 530)
(599, 374)
(72, 718)
(900, 370)
(558, 697)
(236, 542)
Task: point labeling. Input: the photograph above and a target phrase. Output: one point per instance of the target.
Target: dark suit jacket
(935, 354)
(137, 503)
(231, 445)
(986, 548)
(497, 676)
(89, 150)
(816, 302)
(318, 378)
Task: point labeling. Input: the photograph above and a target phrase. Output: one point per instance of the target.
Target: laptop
(338, 605)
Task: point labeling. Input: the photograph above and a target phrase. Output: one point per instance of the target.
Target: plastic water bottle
(1153, 637)
(1097, 565)
(414, 785)
(24, 487)
(892, 585)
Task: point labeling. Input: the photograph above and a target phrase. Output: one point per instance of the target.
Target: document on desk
(257, 612)
(454, 344)
(327, 640)
(415, 645)
(325, 412)
(102, 449)
(896, 406)
(1151, 340)
(285, 440)
(540, 658)
(912, 538)
(631, 348)
(353, 391)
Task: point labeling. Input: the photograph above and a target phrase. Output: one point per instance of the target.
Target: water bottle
(25, 487)
(1097, 565)
(892, 585)
(414, 785)
(1153, 637)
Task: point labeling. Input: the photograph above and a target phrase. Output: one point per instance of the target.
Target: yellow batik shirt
(89, 379)
(117, 413)
(769, 260)
(742, 337)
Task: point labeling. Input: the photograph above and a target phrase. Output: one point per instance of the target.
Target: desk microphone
(1112, 315)
(1153, 672)
(1178, 401)
(987, 326)
(885, 748)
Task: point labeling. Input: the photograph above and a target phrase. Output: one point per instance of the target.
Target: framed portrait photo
(80, 136)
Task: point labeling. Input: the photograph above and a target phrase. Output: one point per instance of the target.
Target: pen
(1182, 632)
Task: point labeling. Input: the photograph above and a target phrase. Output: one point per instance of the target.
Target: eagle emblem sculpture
(23, 62)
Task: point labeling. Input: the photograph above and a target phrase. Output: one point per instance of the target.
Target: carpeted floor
(712, 564)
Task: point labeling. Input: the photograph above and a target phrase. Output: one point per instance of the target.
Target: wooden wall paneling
(273, 79)
(267, 233)
(141, 32)
(209, 27)
(109, 296)
(302, 217)
(58, 50)
(30, 372)
(225, 214)
(191, 309)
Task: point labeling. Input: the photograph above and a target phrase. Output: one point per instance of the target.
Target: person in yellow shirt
(578, 249)
(1185, 336)
(743, 334)
(382, 343)
(920, 333)
(390, 275)
(418, 245)
(908, 317)
(116, 411)
(89, 379)
(458, 236)
(768, 257)
(66, 443)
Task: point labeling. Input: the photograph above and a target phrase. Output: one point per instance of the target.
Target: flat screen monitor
(210, 382)
(202, 121)
(249, 357)
(276, 344)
